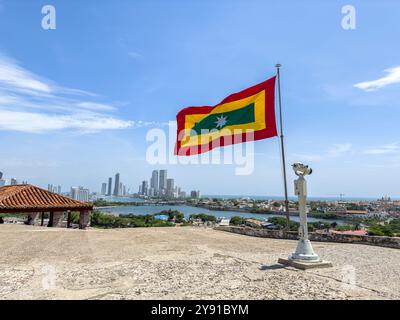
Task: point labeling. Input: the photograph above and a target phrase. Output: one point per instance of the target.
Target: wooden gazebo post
(84, 219)
(69, 219)
(51, 215)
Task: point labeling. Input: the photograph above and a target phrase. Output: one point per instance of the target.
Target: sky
(77, 102)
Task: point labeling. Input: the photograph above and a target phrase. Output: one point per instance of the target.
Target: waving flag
(244, 116)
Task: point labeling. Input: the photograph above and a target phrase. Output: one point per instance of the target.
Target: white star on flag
(221, 121)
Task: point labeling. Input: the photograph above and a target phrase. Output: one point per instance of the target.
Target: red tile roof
(353, 232)
(356, 211)
(29, 198)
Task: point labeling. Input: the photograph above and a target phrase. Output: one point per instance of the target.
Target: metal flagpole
(277, 66)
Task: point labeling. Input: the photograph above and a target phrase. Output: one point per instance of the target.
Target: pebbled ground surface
(183, 263)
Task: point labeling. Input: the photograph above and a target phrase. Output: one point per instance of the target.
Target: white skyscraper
(170, 187)
(163, 181)
(80, 194)
(103, 189)
(195, 194)
(154, 182)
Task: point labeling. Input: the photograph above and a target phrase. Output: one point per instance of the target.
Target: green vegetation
(173, 215)
(204, 217)
(104, 203)
(260, 210)
(391, 229)
(100, 220)
(11, 215)
(236, 220)
(345, 227)
(280, 222)
(320, 215)
(354, 206)
(318, 225)
(294, 226)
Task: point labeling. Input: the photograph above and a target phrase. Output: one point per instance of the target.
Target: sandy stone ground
(183, 263)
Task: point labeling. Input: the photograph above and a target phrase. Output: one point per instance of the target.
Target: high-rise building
(103, 189)
(195, 194)
(13, 181)
(170, 187)
(54, 189)
(80, 194)
(151, 192)
(182, 194)
(154, 182)
(116, 186)
(145, 187)
(163, 181)
(109, 186)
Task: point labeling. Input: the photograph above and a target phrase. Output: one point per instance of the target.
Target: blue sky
(76, 102)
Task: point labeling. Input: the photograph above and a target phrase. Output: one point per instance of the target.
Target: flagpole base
(304, 257)
(304, 252)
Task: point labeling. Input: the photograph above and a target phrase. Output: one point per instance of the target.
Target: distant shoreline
(309, 198)
(239, 210)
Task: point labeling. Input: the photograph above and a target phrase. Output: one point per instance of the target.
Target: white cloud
(40, 122)
(336, 150)
(389, 148)
(339, 149)
(96, 106)
(393, 76)
(30, 103)
(12, 75)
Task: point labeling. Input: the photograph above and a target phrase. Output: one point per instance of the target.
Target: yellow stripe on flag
(259, 123)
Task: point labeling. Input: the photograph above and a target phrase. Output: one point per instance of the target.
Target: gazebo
(34, 201)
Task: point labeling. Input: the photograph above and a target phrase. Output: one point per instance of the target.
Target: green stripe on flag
(218, 121)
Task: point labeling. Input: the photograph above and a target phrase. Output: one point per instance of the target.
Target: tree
(236, 220)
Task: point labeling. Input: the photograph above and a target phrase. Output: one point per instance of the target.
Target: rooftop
(353, 232)
(29, 198)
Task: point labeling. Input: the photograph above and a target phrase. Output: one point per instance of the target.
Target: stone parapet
(389, 242)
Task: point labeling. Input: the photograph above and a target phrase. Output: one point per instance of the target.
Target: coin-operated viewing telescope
(301, 169)
(304, 249)
(304, 257)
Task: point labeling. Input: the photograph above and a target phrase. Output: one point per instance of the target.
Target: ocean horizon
(312, 198)
(254, 197)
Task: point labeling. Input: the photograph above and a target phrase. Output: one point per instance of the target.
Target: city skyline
(162, 186)
(67, 114)
(340, 196)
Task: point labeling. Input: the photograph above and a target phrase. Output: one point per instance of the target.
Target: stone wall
(390, 242)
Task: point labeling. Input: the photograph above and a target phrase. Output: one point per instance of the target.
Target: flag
(244, 116)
